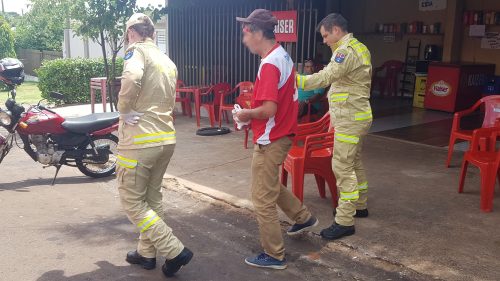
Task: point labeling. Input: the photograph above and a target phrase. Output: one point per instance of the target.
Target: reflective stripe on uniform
(154, 137)
(146, 223)
(363, 186)
(347, 138)
(125, 162)
(363, 115)
(361, 50)
(349, 196)
(339, 97)
(301, 81)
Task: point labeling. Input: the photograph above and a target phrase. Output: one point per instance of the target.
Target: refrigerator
(454, 87)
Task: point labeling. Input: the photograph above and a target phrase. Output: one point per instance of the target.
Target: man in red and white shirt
(274, 122)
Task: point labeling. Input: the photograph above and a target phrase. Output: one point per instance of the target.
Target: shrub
(71, 77)
(6, 40)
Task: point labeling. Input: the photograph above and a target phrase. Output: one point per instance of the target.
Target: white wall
(80, 48)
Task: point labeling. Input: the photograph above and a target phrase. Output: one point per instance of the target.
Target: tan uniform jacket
(349, 74)
(148, 86)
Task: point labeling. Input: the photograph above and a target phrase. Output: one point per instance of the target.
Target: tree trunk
(113, 78)
(106, 66)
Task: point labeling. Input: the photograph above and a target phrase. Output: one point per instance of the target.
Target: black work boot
(172, 266)
(133, 257)
(336, 231)
(361, 213)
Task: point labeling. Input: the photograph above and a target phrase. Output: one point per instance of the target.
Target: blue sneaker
(266, 261)
(297, 228)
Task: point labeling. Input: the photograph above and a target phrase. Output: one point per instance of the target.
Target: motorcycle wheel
(100, 170)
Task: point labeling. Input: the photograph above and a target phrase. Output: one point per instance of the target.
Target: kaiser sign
(286, 29)
(440, 88)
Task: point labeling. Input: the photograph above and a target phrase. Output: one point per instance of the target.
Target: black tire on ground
(213, 131)
(83, 167)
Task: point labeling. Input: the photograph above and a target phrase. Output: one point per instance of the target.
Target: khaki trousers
(140, 174)
(348, 169)
(268, 193)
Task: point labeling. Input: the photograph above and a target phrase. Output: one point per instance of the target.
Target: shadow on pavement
(106, 271)
(31, 183)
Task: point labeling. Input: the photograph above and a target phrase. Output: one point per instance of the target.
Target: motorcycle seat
(91, 123)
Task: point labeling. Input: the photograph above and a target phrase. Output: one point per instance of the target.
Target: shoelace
(262, 256)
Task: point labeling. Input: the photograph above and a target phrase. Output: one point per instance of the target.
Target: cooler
(419, 94)
(454, 87)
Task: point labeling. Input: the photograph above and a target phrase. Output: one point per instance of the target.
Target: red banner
(286, 29)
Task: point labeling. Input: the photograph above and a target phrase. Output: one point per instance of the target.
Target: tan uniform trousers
(348, 169)
(268, 192)
(140, 174)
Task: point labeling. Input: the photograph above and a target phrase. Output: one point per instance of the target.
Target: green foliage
(71, 77)
(104, 21)
(6, 40)
(11, 17)
(42, 28)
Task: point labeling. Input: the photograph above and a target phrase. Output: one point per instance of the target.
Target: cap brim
(245, 20)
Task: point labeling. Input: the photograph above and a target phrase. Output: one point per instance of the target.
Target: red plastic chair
(309, 117)
(184, 99)
(210, 99)
(491, 115)
(486, 157)
(243, 88)
(307, 129)
(390, 80)
(315, 157)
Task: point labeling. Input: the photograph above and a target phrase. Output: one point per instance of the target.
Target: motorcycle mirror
(56, 95)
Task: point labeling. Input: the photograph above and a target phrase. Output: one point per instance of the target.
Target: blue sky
(20, 5)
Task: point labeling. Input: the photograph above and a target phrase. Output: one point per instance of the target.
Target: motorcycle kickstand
(58, 167)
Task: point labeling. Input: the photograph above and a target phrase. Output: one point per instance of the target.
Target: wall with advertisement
(477, 49)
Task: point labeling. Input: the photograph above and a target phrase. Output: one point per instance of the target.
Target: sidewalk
(417, 218)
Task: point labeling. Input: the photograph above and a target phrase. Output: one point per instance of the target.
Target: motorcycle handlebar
(46, 109)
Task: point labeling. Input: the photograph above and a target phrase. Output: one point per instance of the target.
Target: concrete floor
(417, 220)
(417, 217)
(77, 231)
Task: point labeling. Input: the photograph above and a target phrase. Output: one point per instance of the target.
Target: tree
(6, 40)
(104, 22)
(42, 28)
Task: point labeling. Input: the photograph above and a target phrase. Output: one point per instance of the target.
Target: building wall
(471, 46)
(363, 15)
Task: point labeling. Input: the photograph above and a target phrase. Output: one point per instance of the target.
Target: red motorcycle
(87, 142)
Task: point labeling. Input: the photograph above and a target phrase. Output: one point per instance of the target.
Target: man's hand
(131, 118)
(244, 115)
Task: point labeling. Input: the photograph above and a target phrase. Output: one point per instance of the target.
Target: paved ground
(77, 231)
(419, 226)
(417, 217)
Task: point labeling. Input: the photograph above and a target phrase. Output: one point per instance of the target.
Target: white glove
(239, 124)
(131, 118)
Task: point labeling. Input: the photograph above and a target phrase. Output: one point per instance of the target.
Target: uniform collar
(342, 41)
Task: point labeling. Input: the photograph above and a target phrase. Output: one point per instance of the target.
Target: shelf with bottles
(397, 34)
(481, 18)
(412, 28)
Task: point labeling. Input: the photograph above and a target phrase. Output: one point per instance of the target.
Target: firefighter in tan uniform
(349, 74)
(146, 143)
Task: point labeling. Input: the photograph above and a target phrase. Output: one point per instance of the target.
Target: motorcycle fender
(106, 131)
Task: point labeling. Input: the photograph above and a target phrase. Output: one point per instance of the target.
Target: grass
(27, 93)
